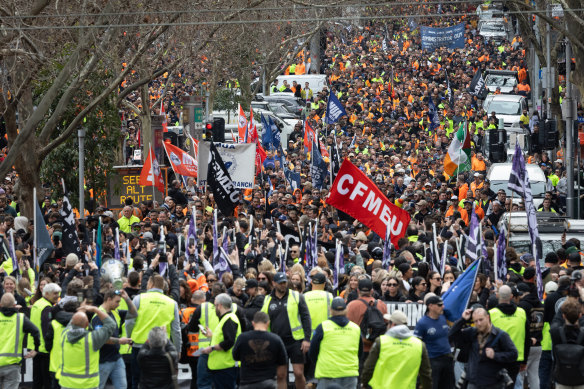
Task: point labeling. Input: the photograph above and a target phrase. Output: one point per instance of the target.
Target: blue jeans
(343, 382)
(116, 371)
(204, 380)
(224, 378)
(545, 370)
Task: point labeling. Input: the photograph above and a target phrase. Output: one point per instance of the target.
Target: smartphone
(203, 330)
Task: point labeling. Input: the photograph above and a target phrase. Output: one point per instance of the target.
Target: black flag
(69, 240)
(225, 194)
(477, 85)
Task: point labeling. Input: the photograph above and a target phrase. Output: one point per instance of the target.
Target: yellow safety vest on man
(35, 317)
(155, 310)
(293, 314)
(319, 306)
(514, 325)
(338, 354)
(398, 363)
(124, 348)
(209, 320)
(56, 351)
(12, 330)
(79, 363)
(222, 359)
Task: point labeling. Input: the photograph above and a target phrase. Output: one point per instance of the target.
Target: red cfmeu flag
(182, 163)
(355, 194)
(150, 169)
(309, 135)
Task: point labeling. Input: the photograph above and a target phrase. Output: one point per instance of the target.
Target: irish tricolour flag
(458, 158)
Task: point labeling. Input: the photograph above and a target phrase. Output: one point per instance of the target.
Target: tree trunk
(315, 53)
(145, 122)
(28, 167)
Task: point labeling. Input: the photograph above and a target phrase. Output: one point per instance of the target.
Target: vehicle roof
(501, 171)
(501, 72)
(514, 98)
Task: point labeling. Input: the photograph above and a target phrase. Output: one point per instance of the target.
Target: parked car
(498, 175)
(507, 107)
(294, 104)
(496, 31)
(505, 80)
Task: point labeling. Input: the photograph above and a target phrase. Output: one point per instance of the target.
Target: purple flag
(501, 260)
(386, 249)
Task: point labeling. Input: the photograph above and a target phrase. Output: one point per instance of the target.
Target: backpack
(372, 325)
(569, 363)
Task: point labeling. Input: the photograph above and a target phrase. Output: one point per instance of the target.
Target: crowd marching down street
(370, 251)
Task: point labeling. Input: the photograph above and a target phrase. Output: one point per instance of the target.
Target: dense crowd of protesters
(176, 305)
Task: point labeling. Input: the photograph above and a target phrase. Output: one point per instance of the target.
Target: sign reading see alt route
(126, 184)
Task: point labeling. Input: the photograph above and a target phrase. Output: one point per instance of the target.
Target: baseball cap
(365, 284)
(338, 304)
(577, 275)
(397, 317)
(318, 278)
(280, 277)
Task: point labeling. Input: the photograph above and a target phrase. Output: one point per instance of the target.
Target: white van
(498, 175)
(317, 82)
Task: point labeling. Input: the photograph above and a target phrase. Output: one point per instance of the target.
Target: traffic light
(219, 130)
(550, 136)
(208, 131)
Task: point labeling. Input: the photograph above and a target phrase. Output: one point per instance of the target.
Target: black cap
(434, 300)
(529, 273)
(318, 278)
(251, 283)
(576, 275)
(338, 304)
(280, 277)
(365, 285)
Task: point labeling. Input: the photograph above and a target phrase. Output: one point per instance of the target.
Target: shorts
(295, 353)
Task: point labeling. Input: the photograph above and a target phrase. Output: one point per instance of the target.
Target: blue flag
(293, 178)
(267, 134)
(98, 245)
(457, 296)
(44, 246)
(275, 133)
(318, 168)
(433, 115)
(334, 109)
(117, 245)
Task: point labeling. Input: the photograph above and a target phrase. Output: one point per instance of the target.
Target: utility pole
(569, 134)
(81, 136)
(548, 56)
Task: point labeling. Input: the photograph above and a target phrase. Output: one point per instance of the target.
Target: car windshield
(505, 107)
(279, 108)
(500, 81)
(524, 246)
(492, 28)
(537, 188)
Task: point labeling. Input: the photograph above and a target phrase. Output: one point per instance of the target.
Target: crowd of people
(243, 325)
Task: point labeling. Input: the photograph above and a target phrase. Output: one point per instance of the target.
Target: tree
(60, 48)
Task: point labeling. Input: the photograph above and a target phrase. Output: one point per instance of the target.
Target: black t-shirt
(109, 352)
(260, 353)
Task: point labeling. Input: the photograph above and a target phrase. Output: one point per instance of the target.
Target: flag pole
(151, 156)
(495, 260)
(35, 238)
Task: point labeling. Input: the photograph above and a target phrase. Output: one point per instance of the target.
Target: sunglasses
(437, 279)
(392, 284)
(211, 280)
(423, 284)
(262, 279)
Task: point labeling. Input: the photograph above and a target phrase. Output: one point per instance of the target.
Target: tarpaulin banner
(239, 159)
(450, 37)
(355, 194)
(413, 311)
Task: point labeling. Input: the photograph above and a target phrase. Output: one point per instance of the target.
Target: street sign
(198, 114)
(125, 183)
